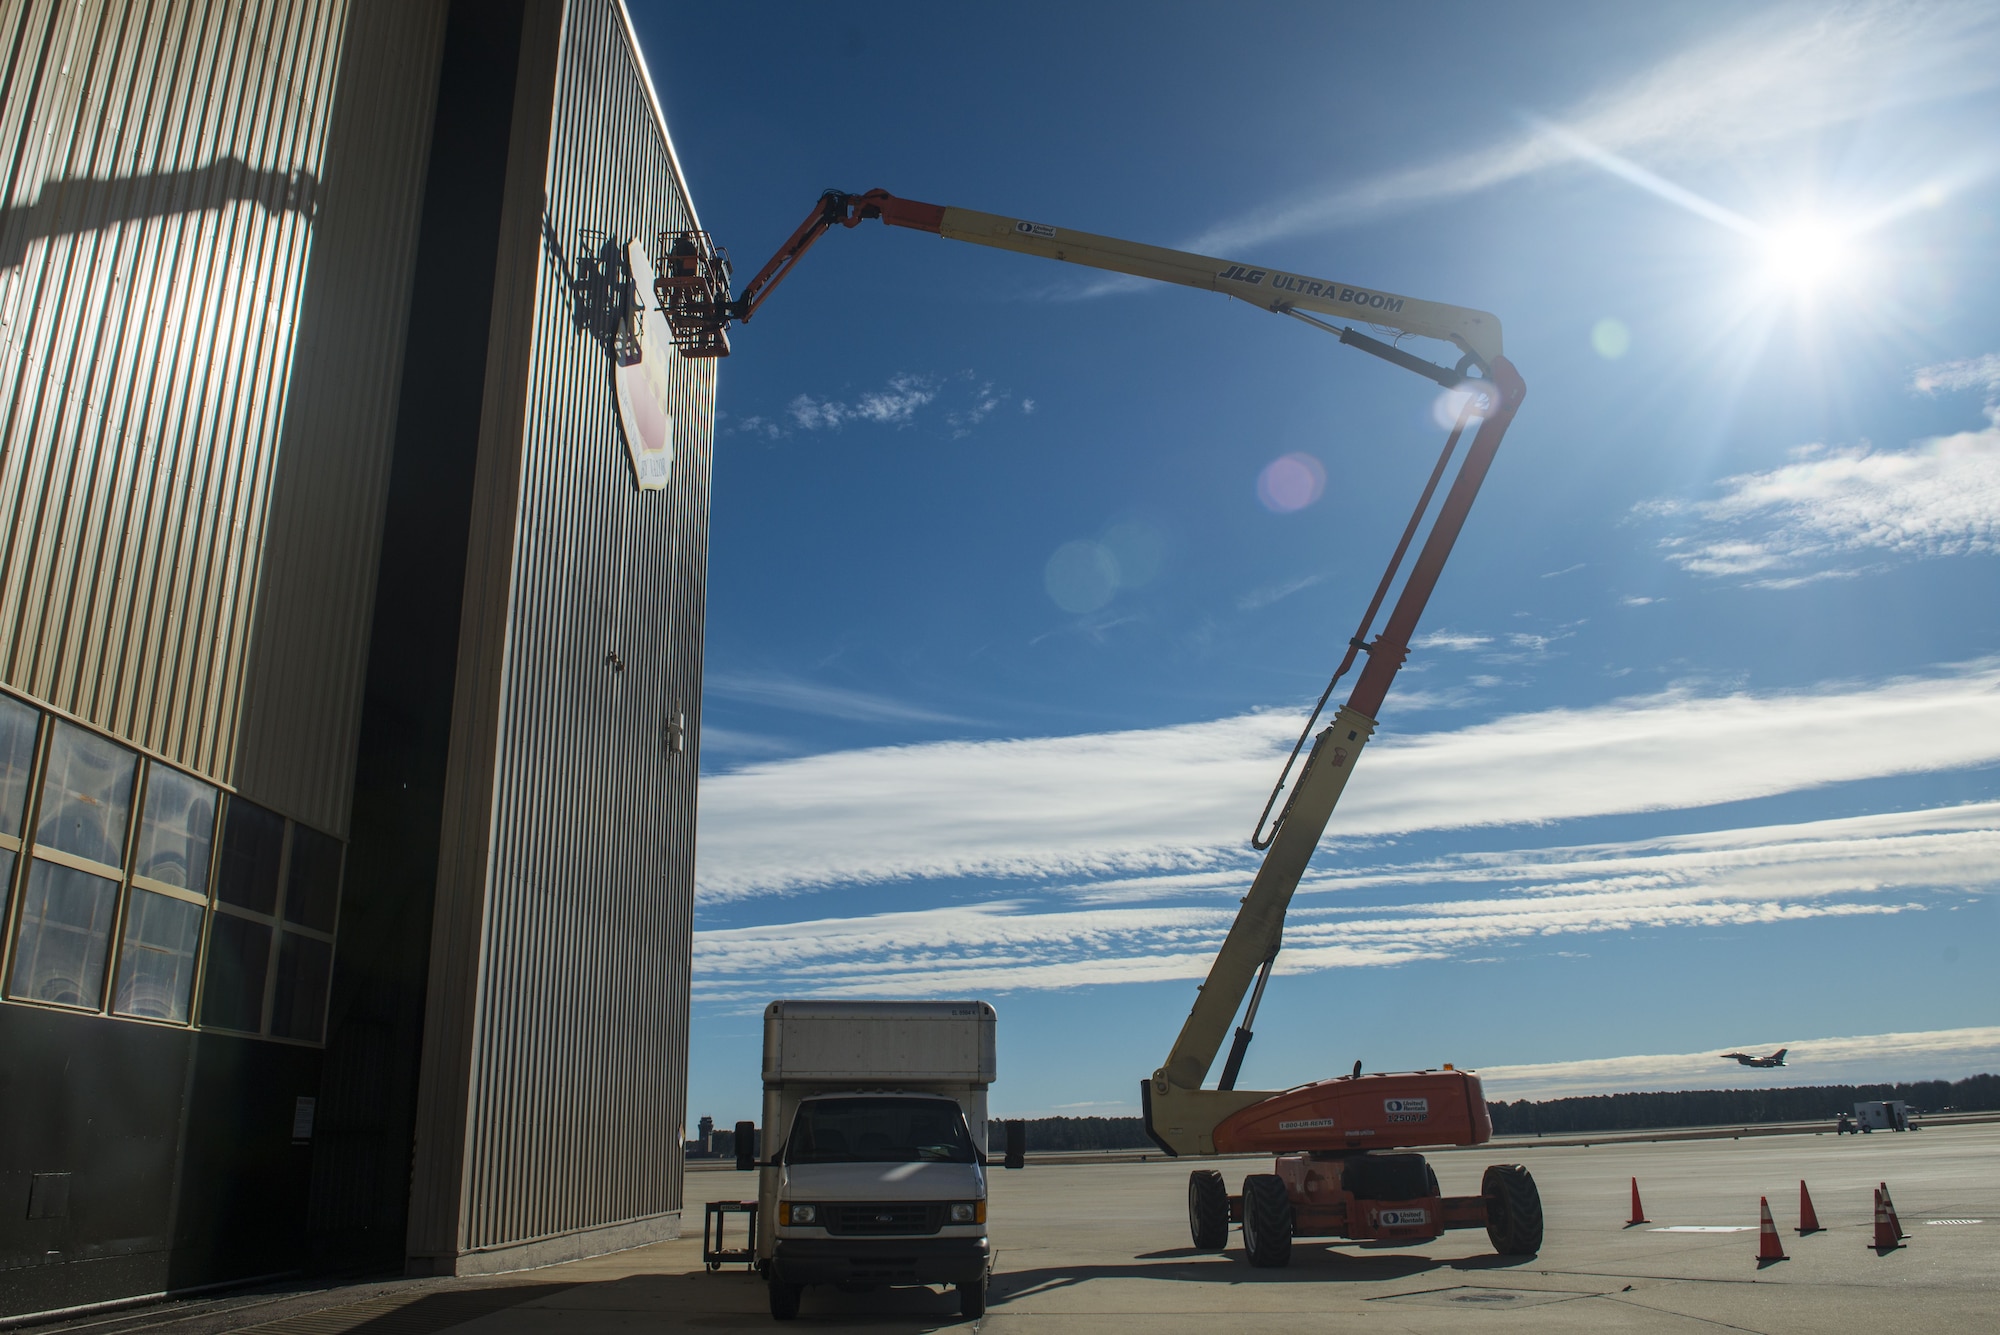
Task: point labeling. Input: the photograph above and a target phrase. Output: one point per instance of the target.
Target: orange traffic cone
(1808, 1221)
(1887, 1232)
(1895, 1220)
(1769, 1249)
(1638, 1213)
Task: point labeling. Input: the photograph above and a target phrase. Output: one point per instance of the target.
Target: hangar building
(350, 646)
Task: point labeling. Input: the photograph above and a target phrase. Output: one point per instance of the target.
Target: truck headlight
(968, 1212)
(794, 1212)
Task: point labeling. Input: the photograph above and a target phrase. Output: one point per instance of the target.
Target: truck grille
(904, 1217)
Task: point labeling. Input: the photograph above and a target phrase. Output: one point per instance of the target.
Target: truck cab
(875, 1128)
(880, 1188)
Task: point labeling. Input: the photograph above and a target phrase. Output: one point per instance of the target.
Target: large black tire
(1208, 1210)
(1267, 1221)
(785, 1299)
(1431, 1180)
(972, 1300)
(1513, 1209)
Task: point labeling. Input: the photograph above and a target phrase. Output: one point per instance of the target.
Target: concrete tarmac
(1085, 1249)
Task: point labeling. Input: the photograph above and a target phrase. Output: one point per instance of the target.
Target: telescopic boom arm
(1254, 937)
(692, 284)
(700, 316)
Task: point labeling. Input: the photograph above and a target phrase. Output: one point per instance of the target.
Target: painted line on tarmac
(1706, 1228)
(1954, 1221)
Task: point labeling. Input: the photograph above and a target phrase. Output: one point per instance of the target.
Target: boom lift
(1333, 1176)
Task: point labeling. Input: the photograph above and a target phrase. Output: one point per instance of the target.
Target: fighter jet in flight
(1745, 1059)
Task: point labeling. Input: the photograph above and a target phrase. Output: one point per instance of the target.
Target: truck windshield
(880, 1131)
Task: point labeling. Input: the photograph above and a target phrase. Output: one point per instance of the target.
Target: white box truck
(873, 1167)
(1892, 1115)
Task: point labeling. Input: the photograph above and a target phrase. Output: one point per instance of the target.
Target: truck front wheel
(1267, 1221)
(972, 1300)
(1208, 1210)
(785, 1299)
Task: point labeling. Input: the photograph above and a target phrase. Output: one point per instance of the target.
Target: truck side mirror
(746, 1146)
(1017, 1145)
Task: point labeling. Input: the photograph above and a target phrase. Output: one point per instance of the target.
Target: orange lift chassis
(1337, 1173)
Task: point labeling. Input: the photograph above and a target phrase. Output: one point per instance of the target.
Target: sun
(1807, 255)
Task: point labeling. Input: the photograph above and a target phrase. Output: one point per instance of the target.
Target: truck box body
(894, 1052)
(879, 1040)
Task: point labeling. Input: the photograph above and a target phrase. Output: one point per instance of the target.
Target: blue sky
(1700, 747)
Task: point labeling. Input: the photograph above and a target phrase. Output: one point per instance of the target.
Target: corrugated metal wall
(302, 690)
(556, 1054)
(162, 164)
(209, 217)
(366, 1115)
(446, 1092)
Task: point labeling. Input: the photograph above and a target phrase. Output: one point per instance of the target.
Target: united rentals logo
(1407, 1110)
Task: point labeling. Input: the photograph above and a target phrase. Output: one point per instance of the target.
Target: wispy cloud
(983, 401)
(1795, 581)
(755, 425)
(1938, 497)
(895, 404)
(965, 400)
(808, 697)
(730, 741)
(1179, 797)
(1780, 73)
(1257, 599)
(1526, 646)
(1933, 1054)
(1450, 639)
(1380, 914)
(1447, 697)
(1968, 373)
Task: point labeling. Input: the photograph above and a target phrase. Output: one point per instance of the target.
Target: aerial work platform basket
(691, 280)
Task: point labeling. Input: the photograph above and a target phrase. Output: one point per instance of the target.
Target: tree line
(1713, 1107)
(1595, 1112)
(1055, 1134)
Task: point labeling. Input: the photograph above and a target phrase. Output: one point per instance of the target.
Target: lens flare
(1291, 482)
(1138, 549)
(1450, 403)
(1611, 338)
(1081, 576)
